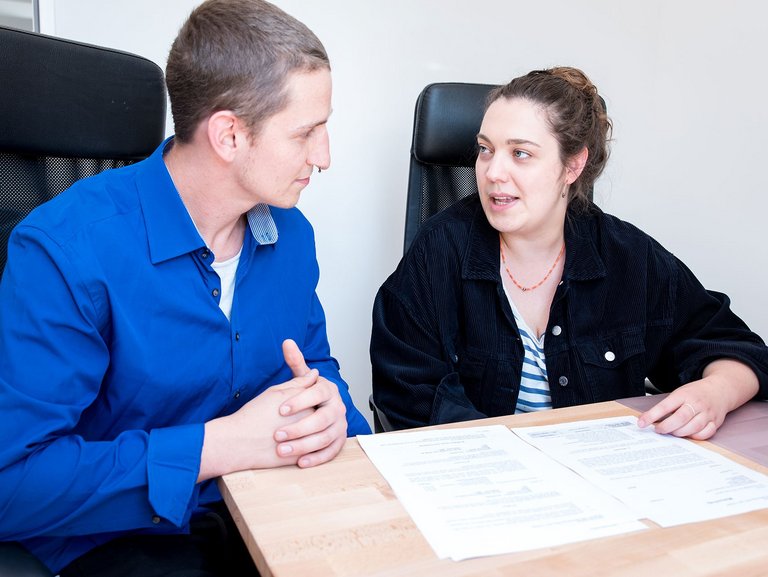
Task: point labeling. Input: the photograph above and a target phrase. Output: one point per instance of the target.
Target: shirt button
(237, 394)
(237, 336)
(556, 330)
(455, 358)
(562, 381)
(204, 254)
(215, 292)
(156, 519)
(609, 356)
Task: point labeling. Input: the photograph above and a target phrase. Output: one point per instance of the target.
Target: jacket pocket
(614, 364)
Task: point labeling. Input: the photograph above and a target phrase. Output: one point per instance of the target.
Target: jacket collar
(583, 261)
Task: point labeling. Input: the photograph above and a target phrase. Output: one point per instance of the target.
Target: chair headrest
(69, 99)
(447, 119)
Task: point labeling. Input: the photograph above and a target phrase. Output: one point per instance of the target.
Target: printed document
(483, 491)
(488, 490)
(663, 478)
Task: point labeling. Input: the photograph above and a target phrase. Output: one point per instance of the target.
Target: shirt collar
(262, 225)
(170, 230)
(583, 261)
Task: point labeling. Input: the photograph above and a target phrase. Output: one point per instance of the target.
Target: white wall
(684, 82)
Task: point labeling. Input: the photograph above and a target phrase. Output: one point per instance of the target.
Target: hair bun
(575, 78)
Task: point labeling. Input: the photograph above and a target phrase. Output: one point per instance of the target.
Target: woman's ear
(575, 165)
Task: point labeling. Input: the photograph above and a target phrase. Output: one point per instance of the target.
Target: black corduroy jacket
(445, 346)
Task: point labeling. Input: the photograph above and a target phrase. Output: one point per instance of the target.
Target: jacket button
(563, 381)
(556, 330)
(215, 292)
(609, 356)
(156, 519)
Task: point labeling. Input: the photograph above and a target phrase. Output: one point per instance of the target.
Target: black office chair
(443, 150)
(442, 170)
(67, 110)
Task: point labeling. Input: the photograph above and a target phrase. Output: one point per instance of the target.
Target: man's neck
(202, 183)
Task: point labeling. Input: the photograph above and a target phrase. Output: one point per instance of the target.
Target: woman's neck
(527, 250)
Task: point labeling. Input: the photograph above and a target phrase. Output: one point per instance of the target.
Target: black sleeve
(415, 382)
(706, 329)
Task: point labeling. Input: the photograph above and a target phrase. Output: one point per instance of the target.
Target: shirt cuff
(173, 465)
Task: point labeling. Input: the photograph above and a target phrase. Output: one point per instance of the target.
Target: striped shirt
(534, 385)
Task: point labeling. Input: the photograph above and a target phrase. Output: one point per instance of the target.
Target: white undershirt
(226, 270)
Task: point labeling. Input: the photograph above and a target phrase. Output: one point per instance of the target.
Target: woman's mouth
(502, 200)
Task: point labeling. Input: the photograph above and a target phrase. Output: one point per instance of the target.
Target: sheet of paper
(483, 491)
(744, 432)
(663, 478)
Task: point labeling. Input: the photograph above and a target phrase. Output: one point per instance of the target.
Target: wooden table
(342, 519)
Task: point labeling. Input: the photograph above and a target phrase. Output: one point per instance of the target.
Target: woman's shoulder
(615, 233)
(451, 225)
(437, 252)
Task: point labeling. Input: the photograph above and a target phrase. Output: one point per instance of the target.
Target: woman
(527, 296)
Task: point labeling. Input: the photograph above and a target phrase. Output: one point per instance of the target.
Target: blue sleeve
(53, 359)
(317, 354)
(307, 325)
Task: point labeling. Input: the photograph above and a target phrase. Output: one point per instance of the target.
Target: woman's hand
(697, 410)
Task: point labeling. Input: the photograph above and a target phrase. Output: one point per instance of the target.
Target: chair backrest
(69, 110)
(443, 151)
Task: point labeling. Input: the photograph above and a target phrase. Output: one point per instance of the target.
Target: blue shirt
(114, 353)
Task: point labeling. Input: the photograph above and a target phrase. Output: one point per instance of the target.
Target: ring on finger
(693, 410)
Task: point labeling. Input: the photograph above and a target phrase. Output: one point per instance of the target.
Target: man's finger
(294, 358)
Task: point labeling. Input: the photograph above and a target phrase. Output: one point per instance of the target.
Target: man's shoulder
(87, 202)
(292, 225)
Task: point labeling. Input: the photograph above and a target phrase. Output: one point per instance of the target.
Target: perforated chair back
(443, 150)
(69, 110)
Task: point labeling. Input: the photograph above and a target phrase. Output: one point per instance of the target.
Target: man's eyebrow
(314, 124)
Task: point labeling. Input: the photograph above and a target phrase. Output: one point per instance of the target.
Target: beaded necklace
(538, 284)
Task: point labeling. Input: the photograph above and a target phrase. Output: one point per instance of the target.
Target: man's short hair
(237, 55)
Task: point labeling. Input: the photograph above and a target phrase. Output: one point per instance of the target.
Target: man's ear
(224, 134)
(575, 165)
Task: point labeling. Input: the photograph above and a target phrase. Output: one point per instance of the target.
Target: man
(159, 325)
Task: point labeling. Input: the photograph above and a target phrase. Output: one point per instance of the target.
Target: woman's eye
(482, 149)
(521, 154)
